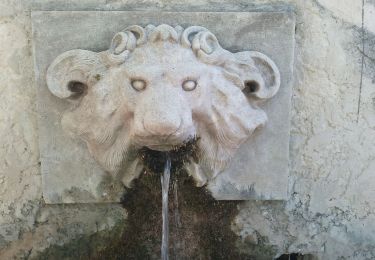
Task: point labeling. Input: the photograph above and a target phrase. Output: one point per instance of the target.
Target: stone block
(260, 168)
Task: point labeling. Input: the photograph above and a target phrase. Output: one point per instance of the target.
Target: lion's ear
(259, 73)
(70, 74)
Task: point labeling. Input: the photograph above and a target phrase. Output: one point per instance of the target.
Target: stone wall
(330, 212)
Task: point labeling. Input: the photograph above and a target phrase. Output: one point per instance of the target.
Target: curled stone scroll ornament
(159, 87)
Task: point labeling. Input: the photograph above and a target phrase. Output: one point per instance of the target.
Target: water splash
(165, 188)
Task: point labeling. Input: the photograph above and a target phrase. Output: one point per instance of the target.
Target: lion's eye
(189, 85)
(138, 84)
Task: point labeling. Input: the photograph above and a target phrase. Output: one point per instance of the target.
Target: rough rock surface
(330, 212)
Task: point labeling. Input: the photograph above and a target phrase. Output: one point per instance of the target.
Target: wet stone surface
(199, 224)
(154, 161)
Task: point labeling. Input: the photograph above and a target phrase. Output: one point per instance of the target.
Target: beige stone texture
(110, 121)
(331, 209)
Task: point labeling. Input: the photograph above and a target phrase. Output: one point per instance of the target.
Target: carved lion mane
(158, 87)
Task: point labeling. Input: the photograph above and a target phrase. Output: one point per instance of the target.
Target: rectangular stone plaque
(259, 169)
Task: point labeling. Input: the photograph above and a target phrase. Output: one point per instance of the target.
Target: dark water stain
(154, 161)
(83, 247)
(202, 230)
(199, 224)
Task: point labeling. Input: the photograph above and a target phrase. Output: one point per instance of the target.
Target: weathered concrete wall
(331, 210)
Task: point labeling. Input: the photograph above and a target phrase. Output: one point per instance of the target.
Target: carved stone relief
(160, 87)
(213, 100)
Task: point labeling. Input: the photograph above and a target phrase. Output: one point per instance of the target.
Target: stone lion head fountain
(159, 87)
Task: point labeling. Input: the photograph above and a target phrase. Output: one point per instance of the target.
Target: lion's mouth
(153, 157)
(161, 148)
(163, 143)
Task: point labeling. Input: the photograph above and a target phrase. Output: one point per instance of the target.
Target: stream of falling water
(165, 188)
(177, 243)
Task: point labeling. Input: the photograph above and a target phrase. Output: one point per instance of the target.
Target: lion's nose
(162, 126)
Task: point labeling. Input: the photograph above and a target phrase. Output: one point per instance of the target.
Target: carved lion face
(159, 87)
